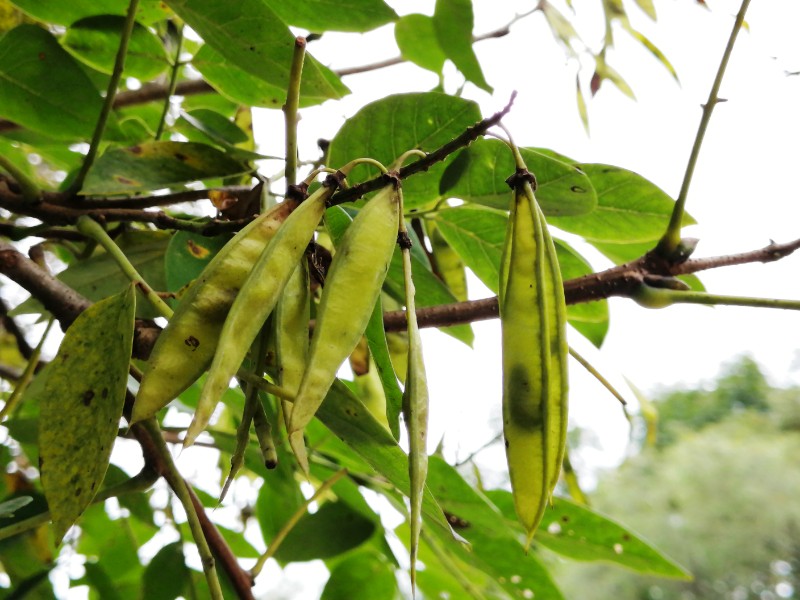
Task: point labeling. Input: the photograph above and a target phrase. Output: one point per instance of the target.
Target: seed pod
(415, 412)
(533, 320)
(351, 290)
(186, 346)
(257, 299)
(290, 321)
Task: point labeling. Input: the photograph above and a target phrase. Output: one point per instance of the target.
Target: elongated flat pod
(256, 300)
(352, 286)
(186, 346)
(532, 314)
(290, 321)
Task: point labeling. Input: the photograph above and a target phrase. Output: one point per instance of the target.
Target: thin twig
(672, 237)
(108, 104)
(290, 110)
(173, 83)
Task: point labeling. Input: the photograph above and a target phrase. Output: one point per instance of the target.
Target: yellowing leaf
(80, 405)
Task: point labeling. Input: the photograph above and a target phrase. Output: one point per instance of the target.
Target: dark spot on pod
(42, 56)
(124, 180)
(565, 519)
(135, 149)
(505, 441)
(87, 397)
(626, 537)
(41, 462)
(577, 189)
(78, 492)
(192, 342)
(181, 157)
(104, 393)
(271, 464)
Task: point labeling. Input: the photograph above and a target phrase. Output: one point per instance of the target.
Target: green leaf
(589, 318)
(42, 86)
(186, 256)
(167, 575)
(154, 165)
(279, 496)
(648, 7)
(629, 208)
(334, 529)
(429, 290)
(81, 405)
(345, 415)
(654, 50)
(242, 87)
(95, 40)
(101, 582)
(476, 234)
(416, 38)
(324, 15)
(362, 576)
(66, 13)
(388, 127)
(496, 547)
(236, 541)
(216, 126)
(453, 22)
(480, 171)
(580, 533)
(253, 38)
(99, 276)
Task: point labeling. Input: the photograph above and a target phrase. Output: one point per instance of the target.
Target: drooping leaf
(416, 37)
(253, 38)
(95, 40)
(99, 276)
(629, 208)
(496, 548)
(42, 86)
(81, 405)
(324, 15)
(334, 529)
(453, 21)
(166, 576)
(346, 416)
(388, 127)
(362, 576)
(580, 533)
(480, 171)
(154, 165)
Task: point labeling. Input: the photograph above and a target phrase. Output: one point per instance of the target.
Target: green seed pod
(290, 321)
(415, 413)
(257, 299)
(186, 347)
(351, 290)
(533, 320)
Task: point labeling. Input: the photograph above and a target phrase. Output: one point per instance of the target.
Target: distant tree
(720, 496)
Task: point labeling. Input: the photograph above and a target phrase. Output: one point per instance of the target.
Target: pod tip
(298, 445)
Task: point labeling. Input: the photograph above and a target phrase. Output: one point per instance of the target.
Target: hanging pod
(533, 321)
(257, 299)
(186, 346)
(351, 289)
(415, 410)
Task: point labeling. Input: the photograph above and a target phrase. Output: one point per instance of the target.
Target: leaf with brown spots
(155, 165)
(80, 403)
